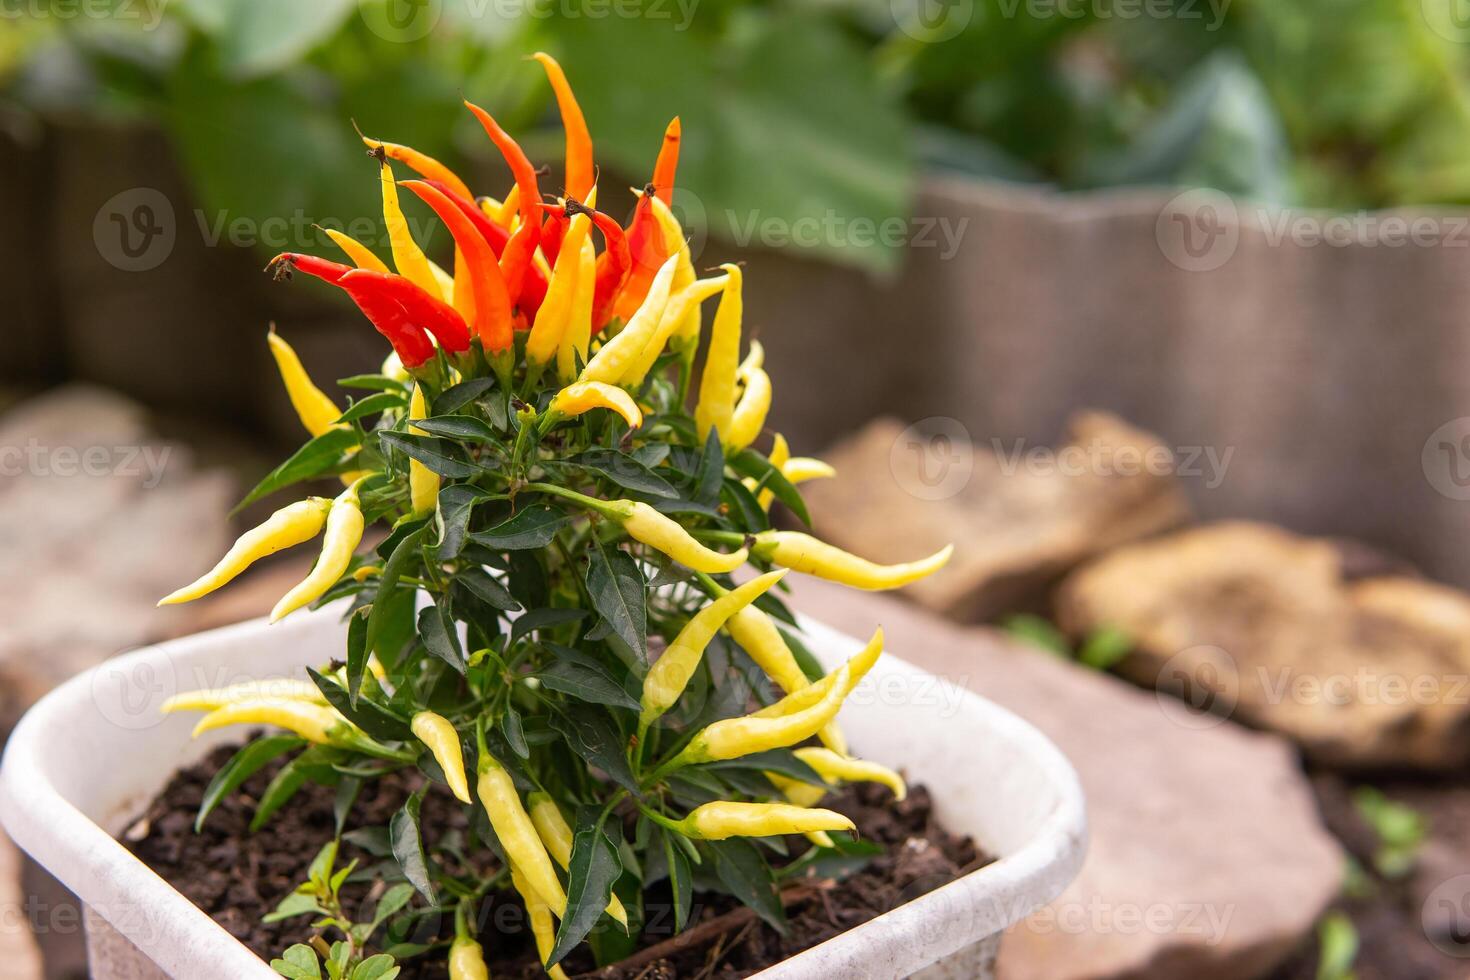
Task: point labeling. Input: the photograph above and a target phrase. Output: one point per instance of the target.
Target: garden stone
(1270, 628)
(1183, 877)
(1018, 523)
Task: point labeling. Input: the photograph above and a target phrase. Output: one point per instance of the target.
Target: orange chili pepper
(668, 163)
(421, 164)
(579, 168)
(521, 249)
(645, 238)
(492, 297)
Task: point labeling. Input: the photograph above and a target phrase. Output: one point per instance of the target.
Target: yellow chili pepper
(749, 734)
(393, 368)
(279, 689)
(663, 533)
(578, 335)
(618, 355)
(517, 834)
(467, 960)
(836, 768)
(723, 819)
(291, 525)
(800, 469)
(542, 926)
(804, 553)
(360, 254)
(759, 637)
(670, 674)
(313, 722)
(436, 732)
(556, 834)
(680, 303)
(798, 792)
(408, 258)
(555, 314)
(676, 246)
(750, 414)
(778, 456)
(317, 412)
(805, 698)
(423, 483)
(717, 384)
(342, 536)
(583, 396)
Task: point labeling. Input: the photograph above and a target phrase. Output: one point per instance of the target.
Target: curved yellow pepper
(408, 258)
(555, 314)
(342, 536)
(750, 414)
(670, 674)
(748, 734)
(542, 926)
(836, 768)
(577, 336)
(517, 834)
(804, 553)
(209, 699)
(360, 254)
(617, 356)
(680, 305)
(723, 819)
(800, 469)
(313, 722)
(556, 834)
(289, 526)
(436, 732)
(778, 456)
(317, 412)
(852, 673)
(423, 483)
(663, 533)
(583, 396)
(676, 246)
(798, 792)
(716, 403)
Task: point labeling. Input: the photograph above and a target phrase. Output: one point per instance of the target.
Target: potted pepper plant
(570, 636)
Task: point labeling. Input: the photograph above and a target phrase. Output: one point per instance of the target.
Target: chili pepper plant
(572, 625)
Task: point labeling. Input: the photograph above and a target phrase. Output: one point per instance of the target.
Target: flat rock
(1019, 519)
(18, 949)
(1271, 628)
(1183, 877)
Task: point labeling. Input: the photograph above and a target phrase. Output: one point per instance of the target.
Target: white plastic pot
(87, 760)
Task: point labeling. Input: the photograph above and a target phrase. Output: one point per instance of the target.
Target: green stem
(602, 507)
(660, 819)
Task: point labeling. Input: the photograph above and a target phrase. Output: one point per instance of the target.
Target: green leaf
(457, 504)
(321, 455)
(752, 518)
(515, 734)
(590, 876)
(357, 651)
(379, 967)
(399, 561)
(371, 717)
(1104, 647)
(540, 619)
(1337, 938)
(593, 736)
(711, 470)
(289, 780)
(298, 963)
(438, 455)
(457, 397)
(587, 682)
(440, 637)
(262, 36)
(462, 428)
(681, 880)
(394, 900)
(616, 586)
(373, 382)
(533, 527)
(484, 587)
(625, 471)
(781, 761)
(291, 906)
(383, 401)
(742, 870)
(408, 848)
(750, 463)
(347, 793)
(242, 765)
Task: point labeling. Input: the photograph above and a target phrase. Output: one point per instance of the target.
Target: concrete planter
(88, 758)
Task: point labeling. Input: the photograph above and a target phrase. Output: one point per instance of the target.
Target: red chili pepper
(326, 270)
(492, 299)
(429, 312)
(521, 249)
(491, 230)
(409, 339)
(553, 231)
(613, 264)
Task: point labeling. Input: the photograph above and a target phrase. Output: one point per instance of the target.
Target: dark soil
(237, 877)
(1406, 929)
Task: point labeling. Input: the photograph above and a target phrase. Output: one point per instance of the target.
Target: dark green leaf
(342, 804)
(745, 508)
(462, 428)
(289, 780)
(625, 471)
(741, 869)
(440, 637)
(457, 397)
(533, 527)
(782, 761)
(527, 579)
(616, 585)
(383, 401)
(456, 505)
(587, 682)
(484, 587)
(593, 736)
(680, 879)
(540, 619)
(242, 765)
(372, 382)
(298, 963)
(399, 562)
(593, 869)
(515, 735)
(357, 651)
(711, 470)
(321, 455)
(371, 717)
(408, 848)
(438, 455)
(750, 463)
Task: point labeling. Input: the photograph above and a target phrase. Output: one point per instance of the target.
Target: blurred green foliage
(803, 109)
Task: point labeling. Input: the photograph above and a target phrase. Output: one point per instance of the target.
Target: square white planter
(91, 755)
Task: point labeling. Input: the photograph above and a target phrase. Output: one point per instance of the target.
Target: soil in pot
(238, 877)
